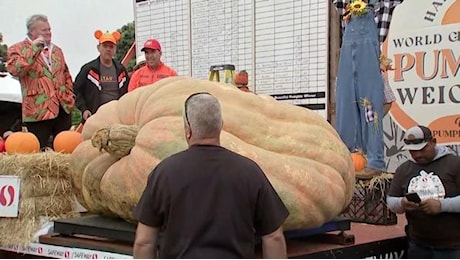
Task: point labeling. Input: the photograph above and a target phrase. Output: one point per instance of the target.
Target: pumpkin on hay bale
(46, 193)
(22, 142)
(300, 152)
(67, 141)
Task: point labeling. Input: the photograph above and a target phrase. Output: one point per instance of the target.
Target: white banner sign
(9, 195)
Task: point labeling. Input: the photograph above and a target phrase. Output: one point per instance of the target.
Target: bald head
(203, 117)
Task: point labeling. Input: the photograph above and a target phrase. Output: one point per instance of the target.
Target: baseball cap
(107, 36)
(417, 137)
(152, 44)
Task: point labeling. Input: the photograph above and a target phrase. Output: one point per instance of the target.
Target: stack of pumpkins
(25, 142)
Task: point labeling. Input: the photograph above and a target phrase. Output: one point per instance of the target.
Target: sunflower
(385, 63)
(357, 7)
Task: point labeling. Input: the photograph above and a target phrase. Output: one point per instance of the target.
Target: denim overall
(359, 90)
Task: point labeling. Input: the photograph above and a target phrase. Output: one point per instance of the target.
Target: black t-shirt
(211, 202)
(439, 179)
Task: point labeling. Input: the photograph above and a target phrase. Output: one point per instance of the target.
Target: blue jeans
(359, 90)
(422, 252)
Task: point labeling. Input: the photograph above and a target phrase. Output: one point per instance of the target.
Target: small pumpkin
(359, 161)
(22, 142)
(67, 141)
(2, 145)
(241, 78)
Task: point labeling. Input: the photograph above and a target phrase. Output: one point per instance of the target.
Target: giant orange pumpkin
(22, 143)
(300, 152)
(67, 141)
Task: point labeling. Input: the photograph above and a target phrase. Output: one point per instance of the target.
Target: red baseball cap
(152, 44)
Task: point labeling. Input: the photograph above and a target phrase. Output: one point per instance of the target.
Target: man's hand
(86, 114)
(409, 205)
(39, 41)
(431, 206)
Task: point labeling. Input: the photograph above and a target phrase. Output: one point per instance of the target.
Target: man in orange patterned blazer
(45, 80)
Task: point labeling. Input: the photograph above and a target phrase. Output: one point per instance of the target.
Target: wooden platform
(116, 229)
(369, 241)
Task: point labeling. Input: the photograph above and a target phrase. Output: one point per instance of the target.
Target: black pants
(10, 117)
(50, 128)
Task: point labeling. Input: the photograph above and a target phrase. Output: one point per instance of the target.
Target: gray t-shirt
(109, 84)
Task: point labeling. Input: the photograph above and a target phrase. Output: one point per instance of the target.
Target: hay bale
(38, 186)
(44, 164)
(49, 206)
(46, 191)
(18, 231)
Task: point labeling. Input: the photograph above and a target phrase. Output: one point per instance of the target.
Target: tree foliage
(123, 45)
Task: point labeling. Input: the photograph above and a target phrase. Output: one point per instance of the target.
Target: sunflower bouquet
(356, 7)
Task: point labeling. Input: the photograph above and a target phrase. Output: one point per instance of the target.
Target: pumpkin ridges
(81, 157)
(293, 135)
(307, 183)
(108, 116)
(91, 182)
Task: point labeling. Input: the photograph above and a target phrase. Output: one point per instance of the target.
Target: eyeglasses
(186, 102)
(415, 141)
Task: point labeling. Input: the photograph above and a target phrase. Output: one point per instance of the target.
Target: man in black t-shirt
(209, 201)
(433, 209)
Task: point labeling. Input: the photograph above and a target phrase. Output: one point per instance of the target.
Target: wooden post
(334, 53)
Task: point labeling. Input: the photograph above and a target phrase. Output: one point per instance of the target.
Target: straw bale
(21, 230)
(18, 231)
(37, 186)
(50, 206)
(44, 164)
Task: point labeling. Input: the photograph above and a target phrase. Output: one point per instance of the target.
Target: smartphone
(413, 197)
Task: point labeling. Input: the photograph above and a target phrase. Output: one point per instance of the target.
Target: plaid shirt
(383, 10)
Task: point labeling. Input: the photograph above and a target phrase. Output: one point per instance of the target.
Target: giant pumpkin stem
(117, 139)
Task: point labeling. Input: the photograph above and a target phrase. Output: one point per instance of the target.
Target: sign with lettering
(424, 44)
(9, 195)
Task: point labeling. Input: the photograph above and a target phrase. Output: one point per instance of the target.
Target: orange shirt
(45, 80)
(146, 76)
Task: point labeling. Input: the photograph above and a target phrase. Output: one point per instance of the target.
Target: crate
(368, 204)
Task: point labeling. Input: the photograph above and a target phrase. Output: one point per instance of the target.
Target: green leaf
(40, 99)
(29, 119)
(23, 51)
(76, 116)
(62, 88)
(47, 73)
(33, 74)
(30, 60)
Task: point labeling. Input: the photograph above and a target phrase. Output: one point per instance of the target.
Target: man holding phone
(427, 189)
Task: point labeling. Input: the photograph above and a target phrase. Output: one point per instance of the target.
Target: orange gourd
(67, 141)
(22, 143)
(359, 161)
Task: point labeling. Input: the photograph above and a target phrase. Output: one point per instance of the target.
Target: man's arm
(145, 242)
(274, 245)
(21, 58)
(79, 89)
